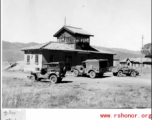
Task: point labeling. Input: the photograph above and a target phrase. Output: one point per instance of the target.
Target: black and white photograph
(76, 54)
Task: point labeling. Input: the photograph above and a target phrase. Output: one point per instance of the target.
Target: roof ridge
(48, 44)
(72, 27)
(45, 44)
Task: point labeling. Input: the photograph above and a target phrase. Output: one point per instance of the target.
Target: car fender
(52, 74)
(34, 75)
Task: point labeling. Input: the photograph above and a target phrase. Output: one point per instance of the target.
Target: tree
(146, 49)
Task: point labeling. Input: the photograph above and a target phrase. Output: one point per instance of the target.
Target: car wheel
(75, 73)
(120, 74)
(133, 74)
(92, 74)
(33, 78)
(53, 79)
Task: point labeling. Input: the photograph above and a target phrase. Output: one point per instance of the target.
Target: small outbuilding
(137, 62)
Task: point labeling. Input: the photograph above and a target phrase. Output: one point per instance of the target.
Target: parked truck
(91, 67)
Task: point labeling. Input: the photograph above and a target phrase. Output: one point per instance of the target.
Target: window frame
(28, 60)
(36, 59)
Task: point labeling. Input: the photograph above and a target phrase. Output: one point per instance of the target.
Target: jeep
(53, 71)
(124, 70)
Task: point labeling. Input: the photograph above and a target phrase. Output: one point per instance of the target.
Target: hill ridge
(11, 51)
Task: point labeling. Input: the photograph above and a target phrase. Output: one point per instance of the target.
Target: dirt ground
(77, 92)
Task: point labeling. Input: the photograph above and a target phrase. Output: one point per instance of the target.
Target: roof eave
(85, 34)
(28, 49)
(68, 50)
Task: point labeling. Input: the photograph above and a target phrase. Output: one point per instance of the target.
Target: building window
(28, 59)
(36, 59)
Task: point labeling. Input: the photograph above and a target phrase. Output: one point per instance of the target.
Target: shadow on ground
(66, 82)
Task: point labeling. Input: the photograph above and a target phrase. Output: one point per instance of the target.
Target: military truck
(53, 71)
(91, 67)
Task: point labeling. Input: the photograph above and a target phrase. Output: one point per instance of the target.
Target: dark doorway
(68, 62)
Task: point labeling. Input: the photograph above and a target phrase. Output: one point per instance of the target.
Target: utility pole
(141, 52)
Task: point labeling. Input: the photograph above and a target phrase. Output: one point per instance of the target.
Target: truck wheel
(75, 73)
(120, 74)
(133, 74)
(53, 79)
(92, 74)
(33, 78)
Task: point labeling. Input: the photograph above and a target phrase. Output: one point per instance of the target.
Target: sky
(114, 23)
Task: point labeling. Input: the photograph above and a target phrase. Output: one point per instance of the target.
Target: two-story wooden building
(72, 47)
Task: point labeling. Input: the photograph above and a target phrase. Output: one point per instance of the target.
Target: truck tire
(33, 78)
(120, 74)
(92, 74)
(53, 79)
(133, 74)
(76, 73)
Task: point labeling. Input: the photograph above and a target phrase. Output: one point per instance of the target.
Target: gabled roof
(73, 30)
(62, 46)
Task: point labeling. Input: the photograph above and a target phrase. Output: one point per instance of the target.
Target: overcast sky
(114, 23)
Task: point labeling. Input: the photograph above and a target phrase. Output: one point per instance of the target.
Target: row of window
(30, 57)
(81, 39)
(67, 40)
(71, 40)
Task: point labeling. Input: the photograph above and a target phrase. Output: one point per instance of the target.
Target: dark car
(91, 67)
(53, 71)
(121, 70)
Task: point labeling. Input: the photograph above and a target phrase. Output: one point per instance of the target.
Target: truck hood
(78, 66)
